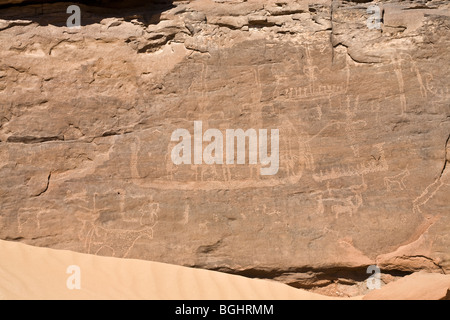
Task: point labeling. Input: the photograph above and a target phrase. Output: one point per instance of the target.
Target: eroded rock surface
(86, 118)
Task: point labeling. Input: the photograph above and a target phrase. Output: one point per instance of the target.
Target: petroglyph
(373, 166)
(318, 91)
(341, 201)
(291, 164)
(314, 88)
(293, 139)
(352, 125)
(320, 205)
(401, 82)
(319, 112)
(186, 212)
(440, 92)
(397, 182)
(30, 217)
(257, 97)
(270, 212)
(350, 204)
(122, 241)
(442, 180)
(415, 68)
(117, 242)
(430, 191)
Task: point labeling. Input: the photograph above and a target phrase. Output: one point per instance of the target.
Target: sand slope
(417, 286)
(28, 272)
(37, 273)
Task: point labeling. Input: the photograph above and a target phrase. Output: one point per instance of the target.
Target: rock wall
(363, 114)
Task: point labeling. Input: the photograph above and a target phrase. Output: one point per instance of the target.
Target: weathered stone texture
(86, 117)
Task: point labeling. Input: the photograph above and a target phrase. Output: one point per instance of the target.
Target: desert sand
(418, 286)
(28, 272)
(39, 273)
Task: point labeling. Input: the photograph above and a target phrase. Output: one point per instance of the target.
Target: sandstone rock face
(363, 115)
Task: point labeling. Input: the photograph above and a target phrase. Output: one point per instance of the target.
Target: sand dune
(38, 273)
(418, 286)
(28, 272)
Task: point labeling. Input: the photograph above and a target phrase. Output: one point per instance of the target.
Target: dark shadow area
(53, 12)
(342, 275)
